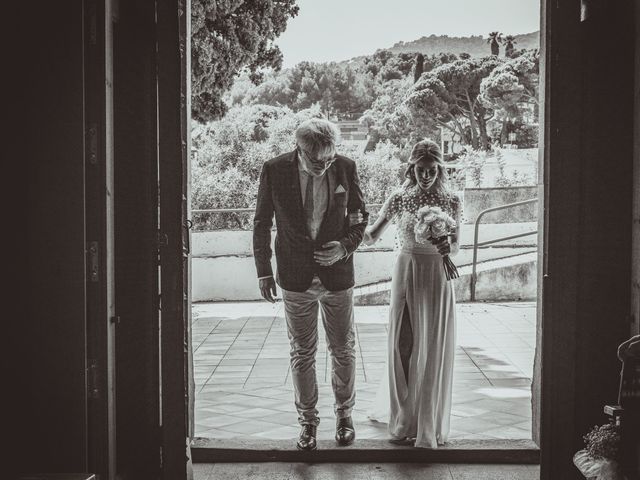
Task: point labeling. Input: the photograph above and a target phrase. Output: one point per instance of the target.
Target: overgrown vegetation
(247, 109)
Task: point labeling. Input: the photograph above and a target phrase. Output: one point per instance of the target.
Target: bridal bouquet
(432, 226)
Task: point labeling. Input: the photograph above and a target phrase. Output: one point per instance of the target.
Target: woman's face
(426, 172)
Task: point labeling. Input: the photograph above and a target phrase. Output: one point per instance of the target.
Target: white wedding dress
(418, 405)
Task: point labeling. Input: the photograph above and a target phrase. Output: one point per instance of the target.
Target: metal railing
(476, 244)
(224, 210)
(250, 210)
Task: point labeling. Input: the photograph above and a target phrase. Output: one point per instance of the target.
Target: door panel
(51, 328)
(174, 132)
(136, 248)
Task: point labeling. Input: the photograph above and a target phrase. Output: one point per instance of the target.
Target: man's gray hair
(317, 135)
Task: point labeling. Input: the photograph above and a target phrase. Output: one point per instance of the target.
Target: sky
(327, 30)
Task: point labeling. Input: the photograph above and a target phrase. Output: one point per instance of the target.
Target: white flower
(432, 222)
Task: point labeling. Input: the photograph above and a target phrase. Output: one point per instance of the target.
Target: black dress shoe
(307, 439)
(345, 433)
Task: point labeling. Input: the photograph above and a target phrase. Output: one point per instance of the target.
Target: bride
(416, 400)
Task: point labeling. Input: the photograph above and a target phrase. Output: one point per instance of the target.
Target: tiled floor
(243, 386)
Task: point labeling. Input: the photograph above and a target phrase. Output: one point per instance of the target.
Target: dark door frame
(151, 56)
(100, 282)
(174, 131)
(586, 268)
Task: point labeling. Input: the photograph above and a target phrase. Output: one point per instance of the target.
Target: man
(311, 191)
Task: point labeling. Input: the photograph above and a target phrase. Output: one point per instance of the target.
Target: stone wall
(479, 199)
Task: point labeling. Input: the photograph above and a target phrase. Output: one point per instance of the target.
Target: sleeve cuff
(345, 252)
(267, 276)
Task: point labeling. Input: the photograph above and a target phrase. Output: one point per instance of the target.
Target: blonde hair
(317, 135)
(427, 150)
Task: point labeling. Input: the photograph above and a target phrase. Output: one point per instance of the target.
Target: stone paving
(243, 383)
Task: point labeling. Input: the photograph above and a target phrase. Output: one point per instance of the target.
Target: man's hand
(331, 252)
(355, 218)
(268, 289)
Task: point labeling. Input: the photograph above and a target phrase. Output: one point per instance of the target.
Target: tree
(495, 39)
(380, 170)
(510, 87)
(513, 82)
(230, 155)
(274, 90)
(509, 42)
(419, 67)
(227, 37)
(338, 89)
(448, 97)
(385, 65)
(232, 150)
(389, 118)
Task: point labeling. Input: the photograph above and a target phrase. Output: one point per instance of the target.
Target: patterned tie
(308, 203)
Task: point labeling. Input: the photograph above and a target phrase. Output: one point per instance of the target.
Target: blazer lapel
(294, 183)
(331, 180)
(331, 185)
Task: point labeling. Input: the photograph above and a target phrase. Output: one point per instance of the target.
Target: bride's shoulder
(393, 204)
(396, 195)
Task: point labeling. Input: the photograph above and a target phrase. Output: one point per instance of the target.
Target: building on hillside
(353, 133)
(450, 143)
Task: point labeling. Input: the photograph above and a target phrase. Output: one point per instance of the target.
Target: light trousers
(336, 311)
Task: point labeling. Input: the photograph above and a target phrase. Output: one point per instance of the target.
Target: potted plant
(599, 459)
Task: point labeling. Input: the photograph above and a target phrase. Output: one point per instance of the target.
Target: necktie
(308, 203)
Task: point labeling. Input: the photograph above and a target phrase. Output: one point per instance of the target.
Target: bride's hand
(355, 218)
(367, 239)
(443, 246)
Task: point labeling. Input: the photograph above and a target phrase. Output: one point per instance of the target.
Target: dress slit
(405, 341)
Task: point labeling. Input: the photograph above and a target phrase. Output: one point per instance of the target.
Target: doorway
(240, 347)
(584, 313)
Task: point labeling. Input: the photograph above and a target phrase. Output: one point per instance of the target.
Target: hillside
(475, 45)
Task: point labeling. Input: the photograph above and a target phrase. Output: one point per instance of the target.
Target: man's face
(319, 163)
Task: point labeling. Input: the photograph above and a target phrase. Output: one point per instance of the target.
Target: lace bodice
(401, 208)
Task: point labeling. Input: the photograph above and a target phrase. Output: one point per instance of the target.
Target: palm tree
(495, 39)
(509, 41)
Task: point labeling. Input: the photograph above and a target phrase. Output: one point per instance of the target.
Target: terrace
(244, 390)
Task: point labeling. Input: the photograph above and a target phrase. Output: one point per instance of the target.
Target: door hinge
(162, 239)
(186, 247)
(94, 261)
(93, 143)
(93, 390)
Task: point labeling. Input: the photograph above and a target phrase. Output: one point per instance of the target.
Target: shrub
(230, 154)
(380, 170)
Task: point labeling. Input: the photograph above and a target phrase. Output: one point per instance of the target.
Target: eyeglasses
(317, 161)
